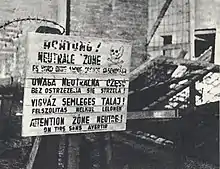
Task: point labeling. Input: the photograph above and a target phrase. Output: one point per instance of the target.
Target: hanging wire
(32, 19)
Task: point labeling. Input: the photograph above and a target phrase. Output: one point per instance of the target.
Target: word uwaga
(77, 82)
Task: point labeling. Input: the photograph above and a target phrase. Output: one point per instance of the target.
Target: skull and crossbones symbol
(115, 56)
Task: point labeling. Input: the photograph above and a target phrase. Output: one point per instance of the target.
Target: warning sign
(75, 85)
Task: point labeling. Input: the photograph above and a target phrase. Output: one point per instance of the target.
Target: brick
(13, 9)
(126, 20)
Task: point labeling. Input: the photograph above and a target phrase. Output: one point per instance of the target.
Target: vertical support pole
(48, 153)
(72, 141)
(2, 105)
(192, 94)
(105, 150)
(73, 152)
(102, 151)
(108, 149)
(62, 12)
(192, 25)
(85, 152)
(33, 153)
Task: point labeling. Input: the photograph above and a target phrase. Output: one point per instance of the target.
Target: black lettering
(43, 82)
(80, 120)
(78, 101)
(92, 59)
(111, 100)
(47, 129)
(45, 122)
(36, 90)
(43, 102)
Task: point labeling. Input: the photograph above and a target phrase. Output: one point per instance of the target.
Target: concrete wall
(120, 19)
(207, 16)
(176, 23)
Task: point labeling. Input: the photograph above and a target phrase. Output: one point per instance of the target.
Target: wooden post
(48, 153)
(48, 149)
(73, 141)
(85, 152)
(192, 94)
(33, 153)
(108, 149)
(73, 152)
(105, 150)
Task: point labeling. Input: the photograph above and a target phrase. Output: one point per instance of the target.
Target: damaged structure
(175, 59)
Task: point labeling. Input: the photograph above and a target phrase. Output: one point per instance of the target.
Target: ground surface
(125, 157)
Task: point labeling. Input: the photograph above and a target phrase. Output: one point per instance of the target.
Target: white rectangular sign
(75, 85)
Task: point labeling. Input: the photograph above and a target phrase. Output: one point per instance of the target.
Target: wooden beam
(9, 50)
(167, 82)
(180, 88)
(172, 61)
(153, 114)
(182, 54)
(205, 31)
(141, 146)
(33, 153)
(143, 68)
(198, 64)
(6, 39)
(206, 56)
(167, 47)
(158, 21)
(192, 64)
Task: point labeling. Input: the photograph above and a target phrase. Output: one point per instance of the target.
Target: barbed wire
(32, 19)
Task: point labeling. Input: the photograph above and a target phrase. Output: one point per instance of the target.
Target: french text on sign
(75, 85)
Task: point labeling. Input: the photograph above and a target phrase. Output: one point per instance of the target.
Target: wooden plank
(141, 146)
(198, 64)
(182, 54)
(167, 82)
(158, 21)
(173, 61)
(206, 55)
(204, 31)
(167, 47)
(148, 114)
(143, 67)
(180, 88)
(153, 114)
(33, 153)
(6, 39)
(9, 49)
